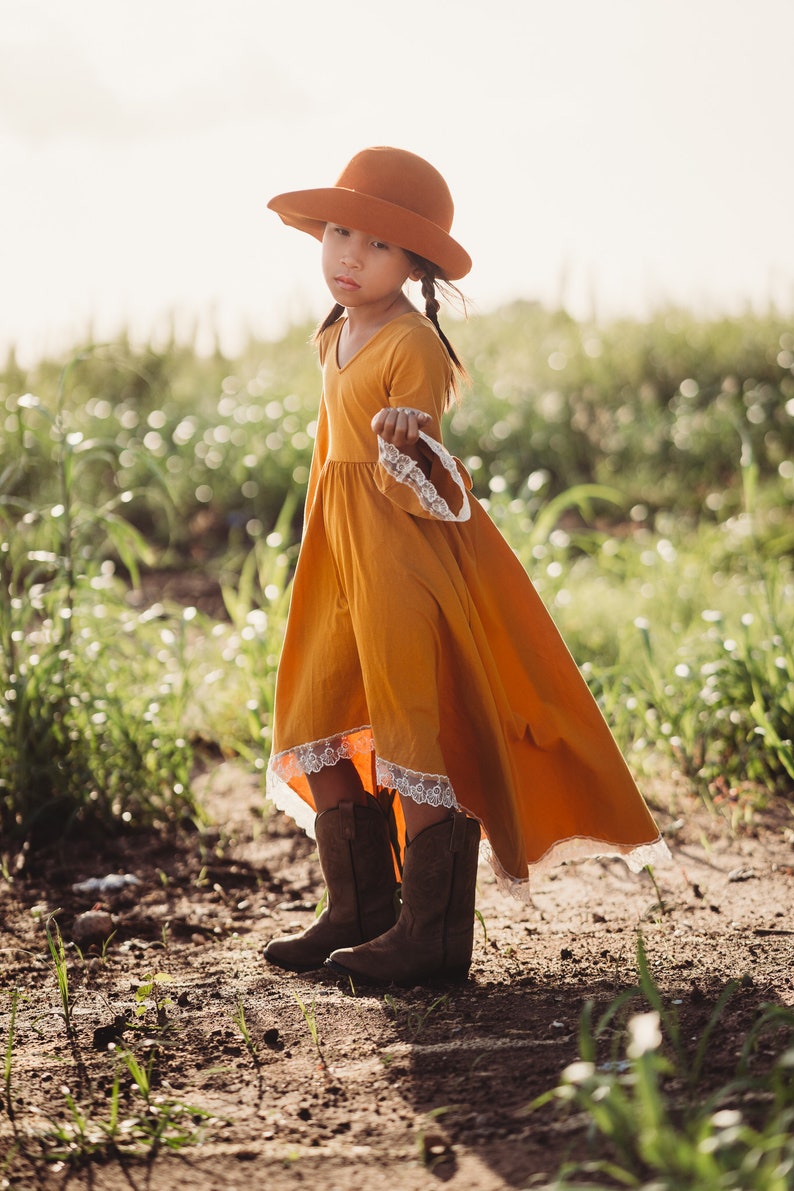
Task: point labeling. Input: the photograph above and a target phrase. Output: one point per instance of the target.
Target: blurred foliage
(90, 708)
(661, 409)
(203, 450)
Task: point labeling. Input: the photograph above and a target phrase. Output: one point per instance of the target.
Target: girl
(418, 658)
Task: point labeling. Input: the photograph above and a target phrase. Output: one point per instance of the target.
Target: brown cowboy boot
(432, 939)
(358, 869)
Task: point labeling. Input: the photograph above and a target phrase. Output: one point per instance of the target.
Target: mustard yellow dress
(417, 646)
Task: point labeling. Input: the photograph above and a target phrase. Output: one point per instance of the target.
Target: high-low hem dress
(417, 647)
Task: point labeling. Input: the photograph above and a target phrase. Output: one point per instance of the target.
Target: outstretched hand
(400, 427)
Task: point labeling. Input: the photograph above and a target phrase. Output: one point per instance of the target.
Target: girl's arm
(416, 471)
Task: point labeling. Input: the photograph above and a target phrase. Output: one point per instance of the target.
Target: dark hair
(431, 277)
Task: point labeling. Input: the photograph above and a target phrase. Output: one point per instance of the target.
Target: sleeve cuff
(437, 495)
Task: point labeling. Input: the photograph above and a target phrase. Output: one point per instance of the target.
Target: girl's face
(359, 269)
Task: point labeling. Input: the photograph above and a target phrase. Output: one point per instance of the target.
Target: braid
(432, 307)
(432, 304)
(332, 317)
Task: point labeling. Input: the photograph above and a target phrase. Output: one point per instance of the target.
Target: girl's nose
(351, 255)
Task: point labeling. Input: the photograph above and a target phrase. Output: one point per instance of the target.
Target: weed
(58, 954)
(419, 1019)
(71, 743)
(433, 1145)
(391, 1004)
(148, 990)
(660, 902)
(240, 1021)
(9, 1055)
(88, 1134)
(310, 1017)
(415, 1019)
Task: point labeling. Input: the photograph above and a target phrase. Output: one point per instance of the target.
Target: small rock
(109, 884)
(95, 926)
(741, 874)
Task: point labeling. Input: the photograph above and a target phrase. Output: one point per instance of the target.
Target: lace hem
(577, 848)
(314, 756)
(637, 857)
(432, 788)
(407, 471)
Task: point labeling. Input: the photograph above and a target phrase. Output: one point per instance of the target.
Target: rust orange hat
(388, 193)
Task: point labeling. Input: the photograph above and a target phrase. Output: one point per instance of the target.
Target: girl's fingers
(399, 425)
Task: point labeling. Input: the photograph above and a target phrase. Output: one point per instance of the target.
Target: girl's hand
(400, 427)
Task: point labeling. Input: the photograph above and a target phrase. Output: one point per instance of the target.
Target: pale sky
(615, 155)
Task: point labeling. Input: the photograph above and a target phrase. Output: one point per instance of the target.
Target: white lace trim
(432, 788)
(312, 757)
(577, 848)
(407, 471)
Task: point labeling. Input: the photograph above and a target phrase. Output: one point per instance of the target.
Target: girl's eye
(341, 231)
(379, 244)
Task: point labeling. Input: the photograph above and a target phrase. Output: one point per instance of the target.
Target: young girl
(418, 658)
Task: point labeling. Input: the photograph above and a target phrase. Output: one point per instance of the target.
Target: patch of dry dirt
(416, 1088)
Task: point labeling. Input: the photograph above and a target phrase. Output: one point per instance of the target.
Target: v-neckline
(365, 345)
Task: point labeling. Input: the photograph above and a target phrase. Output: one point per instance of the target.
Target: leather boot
(432, 939)
(358, 869)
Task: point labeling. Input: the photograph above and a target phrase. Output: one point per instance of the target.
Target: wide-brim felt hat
(389, 193)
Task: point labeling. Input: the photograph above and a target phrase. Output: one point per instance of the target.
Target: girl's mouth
(346, 283)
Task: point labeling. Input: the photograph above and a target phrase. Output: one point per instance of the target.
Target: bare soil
(416, 1088)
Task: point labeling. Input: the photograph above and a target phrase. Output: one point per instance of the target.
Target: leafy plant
(74, 744)
(88, 1134)
(148, 990)
(655, 1125)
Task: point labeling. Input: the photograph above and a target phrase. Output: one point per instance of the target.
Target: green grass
(653, 1121)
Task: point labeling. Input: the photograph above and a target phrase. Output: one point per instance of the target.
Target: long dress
(417, 647)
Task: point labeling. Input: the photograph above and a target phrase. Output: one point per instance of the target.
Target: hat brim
(310, 210)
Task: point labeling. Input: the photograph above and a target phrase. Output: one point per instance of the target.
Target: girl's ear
(416, 274)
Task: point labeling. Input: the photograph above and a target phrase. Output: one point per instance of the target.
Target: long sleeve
(418, 378)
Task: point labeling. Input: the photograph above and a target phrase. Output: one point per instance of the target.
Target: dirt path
(417, 1087)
